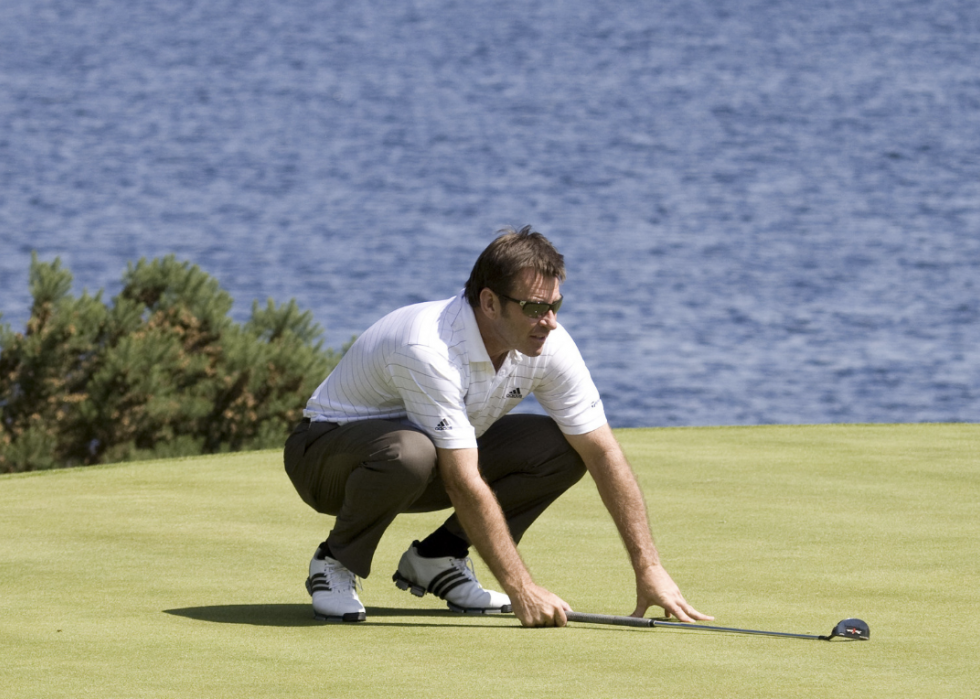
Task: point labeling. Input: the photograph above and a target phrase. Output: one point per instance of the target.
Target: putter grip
(608, 619)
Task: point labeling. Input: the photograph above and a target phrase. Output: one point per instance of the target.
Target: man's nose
(550, 320)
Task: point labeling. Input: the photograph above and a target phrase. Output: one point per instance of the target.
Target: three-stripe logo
(446, 582)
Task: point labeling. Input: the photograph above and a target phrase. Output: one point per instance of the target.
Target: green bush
(160, 372)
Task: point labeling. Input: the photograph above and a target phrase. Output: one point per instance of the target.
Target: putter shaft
(647, 623)
(679, 625)
(608, 619)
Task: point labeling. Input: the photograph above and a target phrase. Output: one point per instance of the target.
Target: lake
(769, 210)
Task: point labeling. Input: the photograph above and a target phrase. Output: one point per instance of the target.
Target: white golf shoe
(451, 579)
(334, 591)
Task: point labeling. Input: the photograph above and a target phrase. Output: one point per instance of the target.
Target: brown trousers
(366, 473)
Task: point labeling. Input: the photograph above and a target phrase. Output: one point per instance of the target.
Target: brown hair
(505, 257)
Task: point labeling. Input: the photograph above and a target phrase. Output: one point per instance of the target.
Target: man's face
(516, 330)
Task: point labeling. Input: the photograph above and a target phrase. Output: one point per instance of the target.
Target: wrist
(518, 584)
(646, 560)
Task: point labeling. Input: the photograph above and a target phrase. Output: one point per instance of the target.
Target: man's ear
(489, 303)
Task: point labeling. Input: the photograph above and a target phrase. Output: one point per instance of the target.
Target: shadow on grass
(298, 615)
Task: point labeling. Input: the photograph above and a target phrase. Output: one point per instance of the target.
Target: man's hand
(536, 606)
(654, 586)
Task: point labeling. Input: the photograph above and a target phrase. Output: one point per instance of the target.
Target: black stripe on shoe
(452, 585)
(318, 583)
(437, 580)
(447, 580)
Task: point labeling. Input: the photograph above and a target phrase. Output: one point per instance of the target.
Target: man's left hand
(655, 587)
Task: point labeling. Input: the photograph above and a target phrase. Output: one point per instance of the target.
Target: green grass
(184, 578)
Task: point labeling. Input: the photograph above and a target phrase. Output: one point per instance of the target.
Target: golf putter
(852, 629)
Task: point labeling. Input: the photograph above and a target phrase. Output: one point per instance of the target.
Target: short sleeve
(567, 392)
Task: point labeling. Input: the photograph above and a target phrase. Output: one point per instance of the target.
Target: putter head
(854, 629)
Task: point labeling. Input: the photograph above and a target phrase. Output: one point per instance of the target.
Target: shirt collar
(475, 347)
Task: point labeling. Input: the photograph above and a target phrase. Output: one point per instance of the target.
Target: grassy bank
(184, 578)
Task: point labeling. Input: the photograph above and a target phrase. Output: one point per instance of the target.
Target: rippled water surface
(770, 211)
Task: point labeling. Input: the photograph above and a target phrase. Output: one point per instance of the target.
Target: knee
(557, 454)
(572, 465)
(553, 438)
(407, 456)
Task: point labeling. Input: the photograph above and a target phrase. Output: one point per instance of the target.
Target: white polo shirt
(427, 364)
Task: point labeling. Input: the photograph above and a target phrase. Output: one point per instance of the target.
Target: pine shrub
(162, 371)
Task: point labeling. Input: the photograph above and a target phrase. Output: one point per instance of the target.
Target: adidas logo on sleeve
(443, 426)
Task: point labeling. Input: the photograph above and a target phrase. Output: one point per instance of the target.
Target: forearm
(623, 499)
(485, 525)
(482, 519)
(620, 494)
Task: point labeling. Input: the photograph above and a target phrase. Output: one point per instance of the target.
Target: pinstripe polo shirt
(427, 364)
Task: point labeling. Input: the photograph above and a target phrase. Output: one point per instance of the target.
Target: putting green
(184, 578)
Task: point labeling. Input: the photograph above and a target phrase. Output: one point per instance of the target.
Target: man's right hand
(535, 606)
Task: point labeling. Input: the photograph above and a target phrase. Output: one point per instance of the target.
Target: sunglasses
(534, 309)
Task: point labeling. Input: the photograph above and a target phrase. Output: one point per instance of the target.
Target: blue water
(770, 210)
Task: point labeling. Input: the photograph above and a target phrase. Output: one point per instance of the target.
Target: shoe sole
(506, 609)
(403, 583)
(348, 618)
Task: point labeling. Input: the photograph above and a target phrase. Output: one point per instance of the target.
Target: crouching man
(415, 419)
